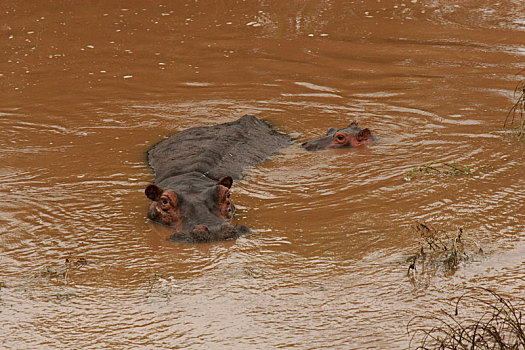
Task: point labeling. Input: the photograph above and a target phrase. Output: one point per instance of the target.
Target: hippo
(194, 173)
(351, 136)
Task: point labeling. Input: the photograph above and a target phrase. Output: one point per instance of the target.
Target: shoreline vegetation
(481, 319)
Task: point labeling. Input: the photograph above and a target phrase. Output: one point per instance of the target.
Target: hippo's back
(218, 150)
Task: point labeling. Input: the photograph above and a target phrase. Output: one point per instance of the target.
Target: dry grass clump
(440, 251)
(486, 321)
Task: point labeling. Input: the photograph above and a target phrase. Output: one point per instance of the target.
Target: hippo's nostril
(202, 228)
(308, 146)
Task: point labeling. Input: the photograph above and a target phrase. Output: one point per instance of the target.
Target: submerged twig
(517, 110)
(62, 272)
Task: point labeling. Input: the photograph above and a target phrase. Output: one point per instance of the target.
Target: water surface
(89, 87)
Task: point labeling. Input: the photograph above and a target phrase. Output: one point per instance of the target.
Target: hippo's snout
(308, 146)
(314, 145)
(204, 233)
(351, 136)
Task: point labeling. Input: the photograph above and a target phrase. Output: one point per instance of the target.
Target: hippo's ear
(153, 192)
(226, 181)
(352, 124)
(364, 135)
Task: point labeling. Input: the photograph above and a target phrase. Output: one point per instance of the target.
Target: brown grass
(439, 252)
(486, 321)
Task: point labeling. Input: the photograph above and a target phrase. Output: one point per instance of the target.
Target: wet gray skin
(351, 136)
(198, 208)
(194, 172)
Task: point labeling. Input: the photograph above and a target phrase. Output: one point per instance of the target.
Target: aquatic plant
(517, 111)
(480, 321)
(444, 169)
(424, 169)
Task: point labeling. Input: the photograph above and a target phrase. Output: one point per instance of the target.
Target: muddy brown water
(88, 87)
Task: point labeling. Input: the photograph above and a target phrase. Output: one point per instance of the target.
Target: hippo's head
(351, 136)
(198, 209)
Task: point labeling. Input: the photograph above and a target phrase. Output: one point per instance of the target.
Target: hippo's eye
(164, 201)
(340, 137)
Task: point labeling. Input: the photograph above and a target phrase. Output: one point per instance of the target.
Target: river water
(88, 87)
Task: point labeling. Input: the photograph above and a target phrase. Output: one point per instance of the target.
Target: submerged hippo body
(195, 170)
(351, 136)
